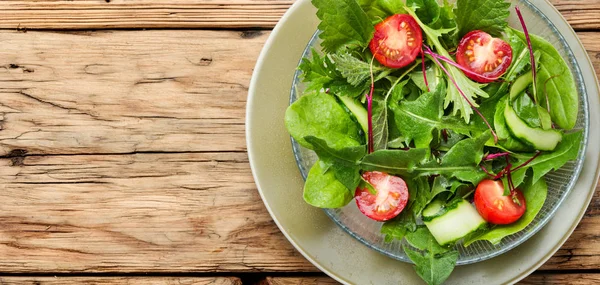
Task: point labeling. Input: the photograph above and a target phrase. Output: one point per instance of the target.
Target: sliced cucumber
(434, 210)
(539, 138)
(359, 111)
(455, 223)
(520, 85)
(505, 138)
(545, 119)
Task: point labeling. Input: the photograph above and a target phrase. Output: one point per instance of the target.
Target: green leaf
(356, 71)
(486, 15)
(447, 20)
(320, 73)
(566, 150)
(343, 24)
(323, 190)
(535, 195)
(433, 263)
(442, 184)
(527, 110)
(394, 161)
(318, 114)
(419, 192)
(416, 120)
(554, 79)
(378, 10)
(398, 227)
(505, 138)
(343, 162)
(427, 10)
(380, 124)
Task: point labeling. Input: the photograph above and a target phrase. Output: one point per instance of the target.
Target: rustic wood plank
(137, 213)
(125, 91)
(163, 213)
(104, 92)
(534, 279)
(110, 14)
(120, 280)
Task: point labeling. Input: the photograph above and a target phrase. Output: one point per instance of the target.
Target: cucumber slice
(539, 138)
(545, 119)
(456, 223)
(433, 210)
(520, 85)
(505, 138)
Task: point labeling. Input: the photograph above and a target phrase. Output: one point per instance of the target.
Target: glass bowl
(560, 182)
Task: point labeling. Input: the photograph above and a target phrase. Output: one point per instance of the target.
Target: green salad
(439, 120)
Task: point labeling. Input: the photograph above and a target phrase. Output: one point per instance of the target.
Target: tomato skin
(390, 200)
(484, 55)
(397, 41)
(496, 208)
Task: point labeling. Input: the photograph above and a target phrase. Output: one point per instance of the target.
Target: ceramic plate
(327, 246)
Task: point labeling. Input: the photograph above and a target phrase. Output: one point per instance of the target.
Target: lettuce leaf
(486, 15)
(343, 24)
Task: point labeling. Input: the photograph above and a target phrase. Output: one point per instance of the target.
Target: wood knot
(250, 34)
(17, 156)
(598, 55)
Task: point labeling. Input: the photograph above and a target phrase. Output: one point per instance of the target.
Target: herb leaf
(320, 73)
(343, 24)
(486, 15)
(427, 10)
(433, 263)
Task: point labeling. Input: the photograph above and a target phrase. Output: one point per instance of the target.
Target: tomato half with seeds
(388, 202)
(496, 208)
(397, 41)
(487, 57)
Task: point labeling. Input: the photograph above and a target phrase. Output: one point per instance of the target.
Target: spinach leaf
(343, 162)
(323, 190)
(527, 110)
(554, 79)
(433, 262)
(394, 161)
(535, 196)
(566, 150)
(427, 10)
(486, 15)
(416, 120)
(318, 114)
(343, 24)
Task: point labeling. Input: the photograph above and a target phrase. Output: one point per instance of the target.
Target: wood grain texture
(137, 213)
(111, 14)
(125, 91)
(120, 280)
(534, 279)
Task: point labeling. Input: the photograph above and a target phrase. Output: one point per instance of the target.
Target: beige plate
(327, 246)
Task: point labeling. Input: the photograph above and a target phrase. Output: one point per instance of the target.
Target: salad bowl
(560, 182)
(345, 258)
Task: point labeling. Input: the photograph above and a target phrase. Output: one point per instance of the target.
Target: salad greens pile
(428, 122)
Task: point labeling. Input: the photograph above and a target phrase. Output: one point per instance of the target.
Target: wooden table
(123, 157)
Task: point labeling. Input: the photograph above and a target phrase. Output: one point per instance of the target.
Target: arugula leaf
(535, 196)
(486, 15)
(318, 114)
(555, 78)
(320, 73)
(566, 150)
(427, 10)
(323, 190)
(416, 120)
(343, 24)
(434, 263)
(343, 162)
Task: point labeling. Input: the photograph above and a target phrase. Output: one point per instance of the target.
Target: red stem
(496, 155)
(463, 95)
(531, 57)
(462, 68)
(527, 162)
(423, 67)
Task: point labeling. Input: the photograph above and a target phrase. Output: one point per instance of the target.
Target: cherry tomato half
(484, 55)
(496, 208)
(397, 41)
(390, 200)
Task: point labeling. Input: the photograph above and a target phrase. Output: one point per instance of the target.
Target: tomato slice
(496, 208)
(397, 41)
(390, 200)
(486, 56)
